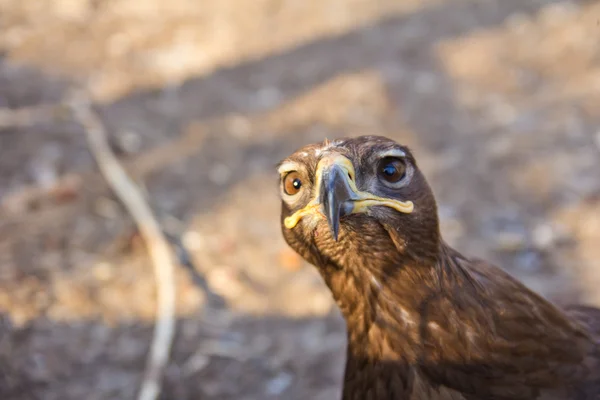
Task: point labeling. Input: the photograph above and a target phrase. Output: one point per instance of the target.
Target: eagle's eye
(391, 169)
(292, 183)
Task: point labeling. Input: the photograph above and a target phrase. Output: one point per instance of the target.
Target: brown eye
(292, 183)
(392, 170)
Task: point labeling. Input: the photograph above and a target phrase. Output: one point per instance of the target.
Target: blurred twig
(160, 251)
(19, 202)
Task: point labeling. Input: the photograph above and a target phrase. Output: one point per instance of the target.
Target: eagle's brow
(393, 152)
(286, 166)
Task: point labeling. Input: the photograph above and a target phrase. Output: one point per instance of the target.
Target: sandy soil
(500, 100)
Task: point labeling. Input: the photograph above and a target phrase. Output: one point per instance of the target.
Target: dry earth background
(500, 99)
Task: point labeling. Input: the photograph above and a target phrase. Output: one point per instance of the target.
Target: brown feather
(424, 321)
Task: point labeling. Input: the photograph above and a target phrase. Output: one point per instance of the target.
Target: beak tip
(334, 193)
(334, 227)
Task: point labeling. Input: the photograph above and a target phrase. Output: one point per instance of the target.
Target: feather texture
(424, 321)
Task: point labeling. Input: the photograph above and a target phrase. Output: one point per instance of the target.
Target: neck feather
(421, 316)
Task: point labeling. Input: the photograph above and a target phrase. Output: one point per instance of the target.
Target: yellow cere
(361, 205)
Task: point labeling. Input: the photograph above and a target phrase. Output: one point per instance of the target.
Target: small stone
(279, 384)
(543, 236)
(193, 241)
(130, 142)
(45, 175)
(44, 167)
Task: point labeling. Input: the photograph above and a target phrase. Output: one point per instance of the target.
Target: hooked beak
(336, 195)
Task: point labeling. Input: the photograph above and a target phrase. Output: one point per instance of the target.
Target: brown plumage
(424, 321)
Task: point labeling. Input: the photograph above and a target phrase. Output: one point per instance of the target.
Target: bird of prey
(424, 322)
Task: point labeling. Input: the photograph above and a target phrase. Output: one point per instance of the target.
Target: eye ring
(391, 170)
(292, 183)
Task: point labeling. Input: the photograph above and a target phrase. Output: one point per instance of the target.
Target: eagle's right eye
(292, 183)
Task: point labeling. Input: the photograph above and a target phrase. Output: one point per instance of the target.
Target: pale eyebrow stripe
(287, 167)
(393, 153)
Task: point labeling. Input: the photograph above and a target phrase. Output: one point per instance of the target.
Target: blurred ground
(500, 99)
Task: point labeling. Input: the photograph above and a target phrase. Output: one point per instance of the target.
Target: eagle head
(359, 199)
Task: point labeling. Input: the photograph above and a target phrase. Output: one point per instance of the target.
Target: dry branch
(160, 251)
(18, 203)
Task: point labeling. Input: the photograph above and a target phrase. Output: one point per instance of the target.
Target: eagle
(424, 322)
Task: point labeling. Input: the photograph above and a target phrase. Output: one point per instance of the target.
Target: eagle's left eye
(292, 183)
(391, 169)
